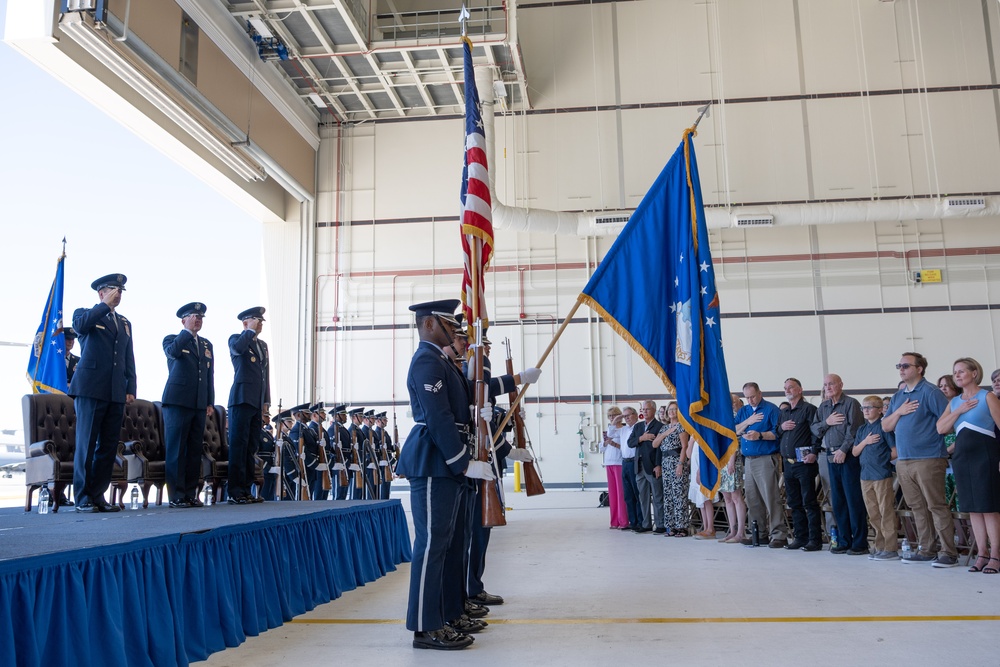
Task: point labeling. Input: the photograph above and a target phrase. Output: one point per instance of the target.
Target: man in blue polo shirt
(757, 426)
(922, 460)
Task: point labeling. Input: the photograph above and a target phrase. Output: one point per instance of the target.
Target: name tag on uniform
(98, 326)
(186, 351)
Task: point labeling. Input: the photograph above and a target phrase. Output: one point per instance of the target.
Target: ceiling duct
(965, 202)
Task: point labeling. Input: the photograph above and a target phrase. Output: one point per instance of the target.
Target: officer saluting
(103, 384)
(249, 397)
(188, 397)
(436, 461)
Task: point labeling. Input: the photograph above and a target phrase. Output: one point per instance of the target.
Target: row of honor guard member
(437, 463)
(104, 382)
(386, 454)
(188, 397)
(340, 439)
(249, 397)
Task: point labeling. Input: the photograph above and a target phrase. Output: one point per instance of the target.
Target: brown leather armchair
(215, 460)
(50, 443)
(143, 448)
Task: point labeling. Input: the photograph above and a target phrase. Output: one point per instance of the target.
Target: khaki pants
(880, 502)
(760, 485)
(922, 481)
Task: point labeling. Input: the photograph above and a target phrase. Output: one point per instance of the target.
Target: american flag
(477, 209)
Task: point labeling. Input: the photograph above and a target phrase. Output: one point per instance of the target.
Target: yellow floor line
(612, 621)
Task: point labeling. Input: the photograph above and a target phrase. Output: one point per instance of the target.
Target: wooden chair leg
(27, 497)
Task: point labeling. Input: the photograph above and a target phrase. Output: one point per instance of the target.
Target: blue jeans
(631, 490)
(849, 504)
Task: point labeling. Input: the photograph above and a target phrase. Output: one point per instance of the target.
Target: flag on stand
(47, 364)
(656, 288)
(477, 208)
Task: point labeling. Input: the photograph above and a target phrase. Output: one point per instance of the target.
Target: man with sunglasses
(922, 460)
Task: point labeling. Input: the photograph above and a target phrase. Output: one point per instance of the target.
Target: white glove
(273, 470)
(486, 413)
(355, 467)
(322, 467)
(522, 455)
(338, 466)
(384, 464)
(371, 466)
(522, 414)
(479, 470)
(530, 375)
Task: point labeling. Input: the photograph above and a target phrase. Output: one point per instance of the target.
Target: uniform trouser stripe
(423, 569)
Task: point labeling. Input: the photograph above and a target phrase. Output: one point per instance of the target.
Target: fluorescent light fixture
(107, 55)
(261, 27)
(318, 100)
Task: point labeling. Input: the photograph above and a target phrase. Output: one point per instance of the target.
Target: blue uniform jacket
(191, 379)
(308, 434)
(439, 399)
(106, 370)
(251, 385)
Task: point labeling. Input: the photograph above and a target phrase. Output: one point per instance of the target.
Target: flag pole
(545, 355)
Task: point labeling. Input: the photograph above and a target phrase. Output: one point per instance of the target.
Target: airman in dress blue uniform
(310, 447)
(250, 395)
(340, 438)
(188, 397)
(359, 446)
(103, 384)
(318, 412)
(71, 359)
(384, 451)
(436, 461)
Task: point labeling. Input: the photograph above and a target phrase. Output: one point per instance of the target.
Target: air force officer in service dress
(436, 461)
(103, 383)
(251, 393)
(188, 397)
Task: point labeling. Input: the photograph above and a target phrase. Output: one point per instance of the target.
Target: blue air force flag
(47, 363)
(656, 288)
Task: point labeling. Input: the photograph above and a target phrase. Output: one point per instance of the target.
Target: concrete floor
(580, 594)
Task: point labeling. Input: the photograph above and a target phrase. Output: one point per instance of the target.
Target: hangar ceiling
(397, 59)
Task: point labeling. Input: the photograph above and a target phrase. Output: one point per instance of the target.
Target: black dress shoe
(86, 507)
(795, 545)
(183, 503)
(640, 530)
(660, 530)
(838, 550)
(441, 640)
(812, 546)
(104, 506)
(473, 610)
(468, 626)
(194, 502)
(487, 599)
(242, 500)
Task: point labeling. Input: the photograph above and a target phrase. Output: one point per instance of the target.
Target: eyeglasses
(870, 407)
(903, 367)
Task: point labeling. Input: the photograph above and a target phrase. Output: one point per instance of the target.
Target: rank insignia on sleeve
(434, 388)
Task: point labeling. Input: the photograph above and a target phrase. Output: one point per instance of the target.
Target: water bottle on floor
(135, 498)
(209, 495)
(43, 500)
(904, 548)
(754, 534)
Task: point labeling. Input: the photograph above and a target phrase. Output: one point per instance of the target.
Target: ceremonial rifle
(338, 454)
(395, 445)
(324, 461)
(488, 494)
(373, 466)
(359, 474)
(279, 444)
(532, 481)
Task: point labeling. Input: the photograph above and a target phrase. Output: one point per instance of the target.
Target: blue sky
(69, 170)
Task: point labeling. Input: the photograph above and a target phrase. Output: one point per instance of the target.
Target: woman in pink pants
(612, 448)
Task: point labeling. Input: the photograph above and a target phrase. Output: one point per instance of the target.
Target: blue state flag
(47, 364)
(656, 288)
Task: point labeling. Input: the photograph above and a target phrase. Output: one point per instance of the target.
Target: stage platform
(164, 587)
